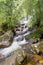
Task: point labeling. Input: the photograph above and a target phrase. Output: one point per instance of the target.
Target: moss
(37, 34)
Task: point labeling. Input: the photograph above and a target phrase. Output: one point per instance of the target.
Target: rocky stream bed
(16, 50)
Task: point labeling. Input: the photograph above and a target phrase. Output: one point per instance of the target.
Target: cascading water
(16, 43)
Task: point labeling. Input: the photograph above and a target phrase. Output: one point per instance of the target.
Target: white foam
(8, 50)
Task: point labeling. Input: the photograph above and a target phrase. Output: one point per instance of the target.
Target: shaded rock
(33, 41)
(1, 57)
(30, 28)
(37, 47)
(19, 38)
(6, 39)
(20, 29)
(1, 33)
(21, 55)
(4, 44)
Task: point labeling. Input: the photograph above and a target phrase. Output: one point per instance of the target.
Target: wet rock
(37, 47)
(33, 41)
(20, 39)
(21, 55)
(4, 44)
(6, 39)
(1, 57)
(20, 29)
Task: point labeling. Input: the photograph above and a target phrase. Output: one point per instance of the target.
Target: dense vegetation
(12, 11)
(36, 35)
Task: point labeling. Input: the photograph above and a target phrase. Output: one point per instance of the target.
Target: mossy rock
(37, 34)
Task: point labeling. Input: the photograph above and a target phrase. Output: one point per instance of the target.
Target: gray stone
(5, 39)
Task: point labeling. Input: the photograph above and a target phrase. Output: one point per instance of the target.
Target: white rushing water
(12, 48)
(15, 45)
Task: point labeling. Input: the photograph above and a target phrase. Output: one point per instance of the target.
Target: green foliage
(2, 13)
(12, 11)
(7, 16)
(36, 11)
(37, 34)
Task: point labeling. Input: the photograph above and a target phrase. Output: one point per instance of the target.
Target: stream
(17, 43)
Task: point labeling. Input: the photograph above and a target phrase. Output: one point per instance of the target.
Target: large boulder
(6, 39)
(20, 56)
(38, 47)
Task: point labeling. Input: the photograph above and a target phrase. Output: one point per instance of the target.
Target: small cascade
(17, 43)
